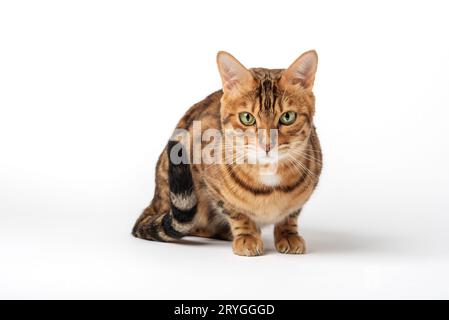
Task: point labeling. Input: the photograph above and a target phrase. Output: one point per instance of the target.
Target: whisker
(296, 161)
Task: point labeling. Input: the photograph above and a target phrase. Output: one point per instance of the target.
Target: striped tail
(179, 221)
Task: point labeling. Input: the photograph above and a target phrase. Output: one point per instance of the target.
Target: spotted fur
(232, 201)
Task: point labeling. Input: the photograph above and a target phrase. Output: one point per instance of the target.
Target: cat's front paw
(292, 244)
(247, 245)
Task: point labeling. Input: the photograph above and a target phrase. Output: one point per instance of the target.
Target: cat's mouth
(267, 158)
(262, 157)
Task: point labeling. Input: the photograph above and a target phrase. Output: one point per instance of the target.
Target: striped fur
(232, 201)
(176, 223)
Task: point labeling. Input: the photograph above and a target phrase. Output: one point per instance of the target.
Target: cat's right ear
(234, 76)
(302, 71)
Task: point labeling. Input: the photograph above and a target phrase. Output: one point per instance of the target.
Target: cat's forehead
(267, 89)
(262, 74)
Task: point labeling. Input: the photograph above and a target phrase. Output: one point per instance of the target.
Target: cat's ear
(302, 71)
(234, 76)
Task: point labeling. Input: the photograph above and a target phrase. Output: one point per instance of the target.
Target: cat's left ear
(302, 71)
(234, 76)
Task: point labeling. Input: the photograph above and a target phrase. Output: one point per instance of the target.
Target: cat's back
(207, 111)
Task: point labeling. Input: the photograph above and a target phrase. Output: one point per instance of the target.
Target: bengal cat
(232, 199)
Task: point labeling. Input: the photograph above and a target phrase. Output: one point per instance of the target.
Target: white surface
(90, 91)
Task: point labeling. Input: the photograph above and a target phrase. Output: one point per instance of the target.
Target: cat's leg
(142, 225)
(246, 236)
(223, 232)
(172, 212)
(286, 237)
(210, 222)
(216, 232)
(168, 224)
(145, 226)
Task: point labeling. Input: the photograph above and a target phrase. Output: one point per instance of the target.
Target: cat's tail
(176, 223)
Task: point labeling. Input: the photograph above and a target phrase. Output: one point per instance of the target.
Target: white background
(90, 91)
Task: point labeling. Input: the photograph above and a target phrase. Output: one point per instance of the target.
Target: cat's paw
(247, 245)
(292, 244)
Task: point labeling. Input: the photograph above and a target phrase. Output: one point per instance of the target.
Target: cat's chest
(267, 202)
(267, 208)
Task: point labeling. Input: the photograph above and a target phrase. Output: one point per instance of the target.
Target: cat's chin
(265, 160)
(269, 179)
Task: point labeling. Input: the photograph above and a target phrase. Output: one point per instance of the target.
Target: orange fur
(235, 199)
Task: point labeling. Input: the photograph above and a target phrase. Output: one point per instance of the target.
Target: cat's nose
(267, 148)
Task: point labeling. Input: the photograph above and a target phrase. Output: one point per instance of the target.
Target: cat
(232, 200)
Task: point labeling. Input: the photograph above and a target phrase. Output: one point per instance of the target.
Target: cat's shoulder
(206, 109)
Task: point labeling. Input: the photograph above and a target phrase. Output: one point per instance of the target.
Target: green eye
(288, 118)
(247, 118)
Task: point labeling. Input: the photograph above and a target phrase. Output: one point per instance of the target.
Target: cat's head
(262, 101)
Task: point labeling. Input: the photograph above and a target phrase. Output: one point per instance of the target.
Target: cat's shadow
(336, 242)
(317, 241)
